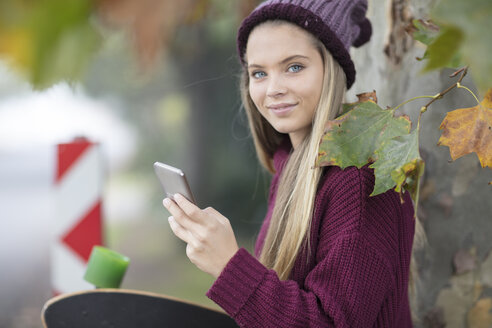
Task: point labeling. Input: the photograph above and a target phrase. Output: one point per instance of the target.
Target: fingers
(187, 236)
(199, 224)
(212, 212)
(179, 215)
(188, 207)
(178, 230)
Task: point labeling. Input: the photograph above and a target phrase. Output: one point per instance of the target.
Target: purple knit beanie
(338, 24)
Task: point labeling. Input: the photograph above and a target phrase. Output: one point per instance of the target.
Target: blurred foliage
(54, 40)
(48, 40)
(459, 35)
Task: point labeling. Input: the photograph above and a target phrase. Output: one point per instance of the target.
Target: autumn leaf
(462, 300)
(468, 130)
(152, 24)
(352, 139)
(480, 315)
(361, 97)
(198, 11)
(460, 295)
(398, 165)
(366, 96)
(408, 176)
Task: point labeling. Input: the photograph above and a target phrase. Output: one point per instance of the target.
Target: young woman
(327, 255)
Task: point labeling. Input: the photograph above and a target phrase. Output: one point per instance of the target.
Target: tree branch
(463, 72)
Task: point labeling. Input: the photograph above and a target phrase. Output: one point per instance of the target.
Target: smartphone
(173, 181)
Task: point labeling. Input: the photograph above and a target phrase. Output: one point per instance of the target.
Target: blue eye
(258, 74)
(295, 68)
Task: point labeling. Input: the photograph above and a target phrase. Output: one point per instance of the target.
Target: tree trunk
(455, 267)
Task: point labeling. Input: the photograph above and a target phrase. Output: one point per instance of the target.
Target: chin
(284, 128)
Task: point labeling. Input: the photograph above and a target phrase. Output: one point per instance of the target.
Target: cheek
(310, 96)
(312, 90)
(255, 93)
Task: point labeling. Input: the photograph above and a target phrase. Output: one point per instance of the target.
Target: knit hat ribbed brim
(337, 24)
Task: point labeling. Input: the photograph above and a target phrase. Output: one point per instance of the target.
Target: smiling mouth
(281, 108)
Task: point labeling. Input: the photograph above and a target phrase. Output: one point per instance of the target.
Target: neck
(296, 139)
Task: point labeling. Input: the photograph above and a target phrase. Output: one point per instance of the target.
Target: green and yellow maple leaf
(398, 165)
(352, 139)
(368, 133)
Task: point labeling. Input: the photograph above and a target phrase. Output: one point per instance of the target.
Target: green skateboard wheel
(106, 268)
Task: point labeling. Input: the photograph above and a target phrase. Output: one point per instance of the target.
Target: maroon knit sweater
(357, 274)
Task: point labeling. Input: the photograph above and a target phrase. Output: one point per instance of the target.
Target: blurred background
(157, 80)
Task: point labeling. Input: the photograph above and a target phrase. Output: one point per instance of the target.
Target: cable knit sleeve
(345, 288)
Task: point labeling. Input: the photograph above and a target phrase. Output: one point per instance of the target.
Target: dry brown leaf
(151, 23)
(365, 96)
(246, 7)
(468, 130)
(460, 296)
(453, 305)
(479, 316)
(199, 10)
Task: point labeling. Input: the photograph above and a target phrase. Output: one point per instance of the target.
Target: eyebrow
(282, 62)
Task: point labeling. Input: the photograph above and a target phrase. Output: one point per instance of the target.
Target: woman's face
(285, 77)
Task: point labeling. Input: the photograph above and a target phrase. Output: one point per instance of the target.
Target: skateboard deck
(120, 308)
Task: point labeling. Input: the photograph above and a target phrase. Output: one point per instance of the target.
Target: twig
(463, 72)
(458, 71)
(467, 89)
(412, 99)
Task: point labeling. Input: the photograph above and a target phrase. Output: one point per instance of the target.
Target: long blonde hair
(290, 224)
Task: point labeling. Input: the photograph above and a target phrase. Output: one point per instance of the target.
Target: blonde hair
(291, 218)
(289, 229)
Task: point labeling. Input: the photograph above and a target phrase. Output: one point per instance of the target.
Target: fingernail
(166, 202)
(170, 219)
(178, 196)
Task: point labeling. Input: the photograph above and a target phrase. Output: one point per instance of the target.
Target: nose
(276, 87)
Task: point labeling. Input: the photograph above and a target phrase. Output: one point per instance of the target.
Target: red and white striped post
(78, 221)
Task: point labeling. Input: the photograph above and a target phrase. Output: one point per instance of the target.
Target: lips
(282, 108)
